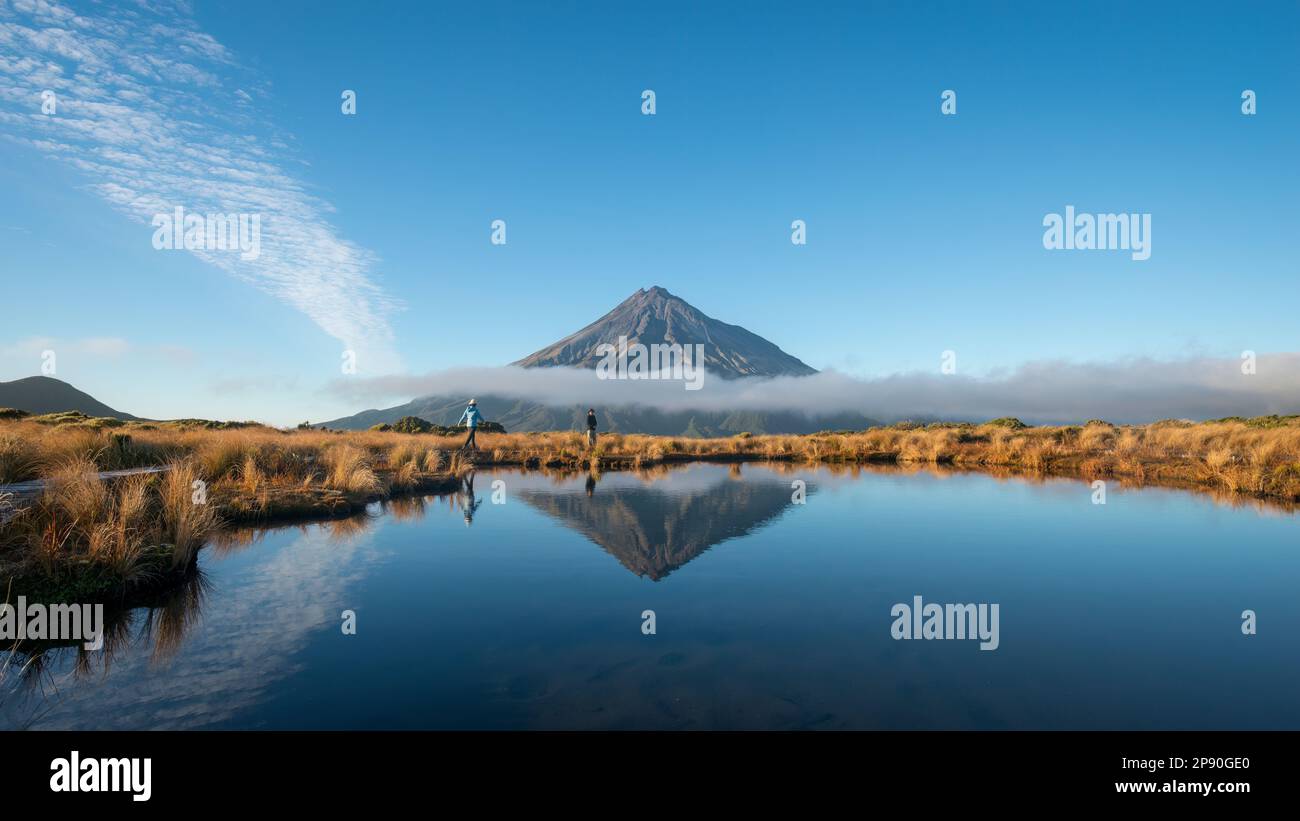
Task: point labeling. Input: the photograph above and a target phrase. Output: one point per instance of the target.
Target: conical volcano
(654, 316)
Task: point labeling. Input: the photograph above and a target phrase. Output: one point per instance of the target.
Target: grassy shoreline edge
(82, 538)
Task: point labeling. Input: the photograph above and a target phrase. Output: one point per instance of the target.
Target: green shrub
(412, 424)
(1007, 422)
(1273, 421)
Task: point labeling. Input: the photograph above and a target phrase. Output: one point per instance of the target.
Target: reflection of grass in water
(1009, 473)
(231, 541)
(406, 508)
(168, 619)
(348, 528)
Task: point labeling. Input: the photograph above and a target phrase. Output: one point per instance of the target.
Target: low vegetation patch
(414, 424)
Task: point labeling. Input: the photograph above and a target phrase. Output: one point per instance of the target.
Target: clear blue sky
(924, 231)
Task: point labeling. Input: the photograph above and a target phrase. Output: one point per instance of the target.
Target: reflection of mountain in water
(653, 532)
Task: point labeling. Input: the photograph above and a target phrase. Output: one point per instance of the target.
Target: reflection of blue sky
(1123, 615)
(264, 604)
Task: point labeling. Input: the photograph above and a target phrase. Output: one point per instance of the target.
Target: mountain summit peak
(655, 293)
(655, 316)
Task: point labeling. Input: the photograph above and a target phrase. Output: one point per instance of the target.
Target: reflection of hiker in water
(591, 427)
(468, 503)
(591, 484)
(471, 418)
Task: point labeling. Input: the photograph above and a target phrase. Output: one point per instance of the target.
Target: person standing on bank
(591, 427)
(471, 418)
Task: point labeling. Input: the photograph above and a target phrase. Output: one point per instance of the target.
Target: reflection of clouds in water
(239, 648)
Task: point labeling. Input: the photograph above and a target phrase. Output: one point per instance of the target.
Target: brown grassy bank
(1257, 457)
(80, 537)
(81, 533)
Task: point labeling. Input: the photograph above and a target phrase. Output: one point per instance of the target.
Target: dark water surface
(768, 614)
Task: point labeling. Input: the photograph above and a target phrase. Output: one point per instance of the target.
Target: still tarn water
(769, 614)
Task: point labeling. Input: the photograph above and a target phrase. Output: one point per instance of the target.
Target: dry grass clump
(19, 457)
(187, 517)
(349, 468)
(133, 528)
(220, 456)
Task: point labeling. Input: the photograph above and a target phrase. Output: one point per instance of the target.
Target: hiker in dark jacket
(591, 427)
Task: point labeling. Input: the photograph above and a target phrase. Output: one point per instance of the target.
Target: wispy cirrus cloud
(157, 114)
(30, 349)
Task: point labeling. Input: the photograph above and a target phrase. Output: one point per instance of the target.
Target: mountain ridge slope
(45, 394)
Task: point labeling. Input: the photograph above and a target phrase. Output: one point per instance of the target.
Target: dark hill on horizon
(45, 394)
(649, 316)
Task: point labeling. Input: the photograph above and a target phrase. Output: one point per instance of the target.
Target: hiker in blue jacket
(468, 501)
(470, 417)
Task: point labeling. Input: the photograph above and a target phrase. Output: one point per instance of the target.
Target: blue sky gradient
(924, 231)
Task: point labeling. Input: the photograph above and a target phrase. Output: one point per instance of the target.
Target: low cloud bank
(1129, 391)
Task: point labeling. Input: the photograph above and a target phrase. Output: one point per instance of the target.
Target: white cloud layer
(1128, 391)
(152, 112)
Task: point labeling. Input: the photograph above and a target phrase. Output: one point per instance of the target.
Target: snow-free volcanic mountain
(650, 316)
(654, 316)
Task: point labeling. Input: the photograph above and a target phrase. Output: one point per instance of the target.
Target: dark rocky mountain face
(655, 316)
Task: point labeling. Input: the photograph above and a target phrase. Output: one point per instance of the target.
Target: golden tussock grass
(1235, 453)
(254, 470)
(131, 528)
